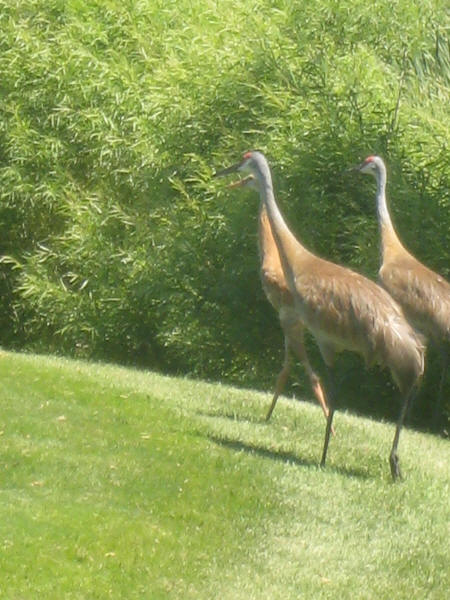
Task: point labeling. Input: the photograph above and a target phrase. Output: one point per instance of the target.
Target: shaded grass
(122, 484)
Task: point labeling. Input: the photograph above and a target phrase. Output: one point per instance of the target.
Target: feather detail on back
(347, 311)
(423, 294)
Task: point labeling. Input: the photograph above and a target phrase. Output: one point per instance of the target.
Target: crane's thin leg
(282, 377)
(331, 408)
(297, 345)
(437, 407)
(393, 457)
(318, 392)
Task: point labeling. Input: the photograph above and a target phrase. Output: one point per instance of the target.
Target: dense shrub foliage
(117, 243)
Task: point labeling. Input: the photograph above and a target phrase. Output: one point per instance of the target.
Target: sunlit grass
(116, 483)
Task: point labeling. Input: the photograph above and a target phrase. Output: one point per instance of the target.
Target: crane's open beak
(356, 167)
(241, 182)
(228, 170)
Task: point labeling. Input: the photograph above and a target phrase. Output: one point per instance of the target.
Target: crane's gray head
(252, 162)
(373, 165)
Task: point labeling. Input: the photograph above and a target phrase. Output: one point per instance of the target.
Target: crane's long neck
(290, 250)
(389, 239)
(267, 244)
(270, 257)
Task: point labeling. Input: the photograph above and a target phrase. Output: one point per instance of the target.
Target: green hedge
(116, 242)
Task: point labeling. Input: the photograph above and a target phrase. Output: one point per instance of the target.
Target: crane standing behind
(423, 294)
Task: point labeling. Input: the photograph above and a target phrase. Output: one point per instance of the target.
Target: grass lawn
(116, 483)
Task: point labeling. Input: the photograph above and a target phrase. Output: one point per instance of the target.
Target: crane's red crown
(247, 155)
(369, 159)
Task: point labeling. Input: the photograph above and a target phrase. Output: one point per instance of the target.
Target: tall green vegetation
(117, 244)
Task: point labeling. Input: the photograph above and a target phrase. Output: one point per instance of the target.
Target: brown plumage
(423, 294)
(342, 309)
(277, 292)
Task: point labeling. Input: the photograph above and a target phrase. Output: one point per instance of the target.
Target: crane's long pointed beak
(356, 167)
(228, 170)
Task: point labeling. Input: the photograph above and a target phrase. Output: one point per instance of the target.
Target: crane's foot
(395, 467)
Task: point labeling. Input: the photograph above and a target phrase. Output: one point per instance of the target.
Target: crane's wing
(423, 294)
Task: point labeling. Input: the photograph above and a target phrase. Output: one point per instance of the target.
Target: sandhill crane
(277, 292)
(423, 294)
(342, 309)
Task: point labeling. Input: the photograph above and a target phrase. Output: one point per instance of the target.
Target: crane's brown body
(346, 311)
(342, 309)
(277, 292)
(423, 294)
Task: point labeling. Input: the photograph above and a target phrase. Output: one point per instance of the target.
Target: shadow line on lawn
(283, 456)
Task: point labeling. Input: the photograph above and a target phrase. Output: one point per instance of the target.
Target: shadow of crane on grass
(283, 456)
